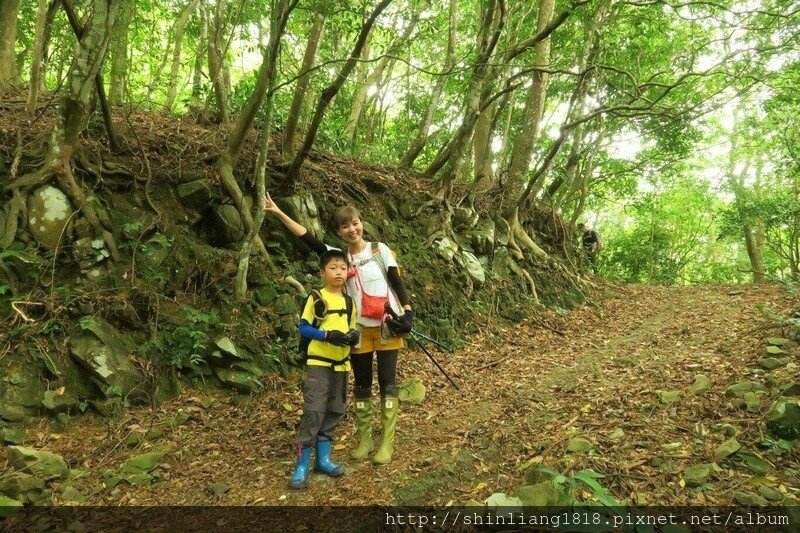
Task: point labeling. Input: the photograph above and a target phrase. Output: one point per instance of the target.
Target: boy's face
(335, 273)
(352, 231)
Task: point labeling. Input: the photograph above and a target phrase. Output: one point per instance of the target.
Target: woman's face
(352, 231)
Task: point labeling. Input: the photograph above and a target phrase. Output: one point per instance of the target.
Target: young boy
(328, 363)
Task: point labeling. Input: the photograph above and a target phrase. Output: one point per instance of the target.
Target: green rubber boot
(389, 407)
(363, 424)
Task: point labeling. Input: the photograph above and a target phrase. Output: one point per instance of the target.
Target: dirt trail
(526, 392)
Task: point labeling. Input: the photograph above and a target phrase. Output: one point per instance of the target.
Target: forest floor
(526, 391)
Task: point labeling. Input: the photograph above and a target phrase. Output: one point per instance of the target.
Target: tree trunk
(38, 51)
(356, 111)
(178, 29)
(202, 46)
(8, 39)
(422, 136)
(309, 57)
(330, 91)
(534, 106)
(118, 50)
(52, 9)
(216, 58)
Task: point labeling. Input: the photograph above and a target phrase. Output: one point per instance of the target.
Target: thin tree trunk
(330, 91)
(422, 135)
(38, 50)
(52, 9)
(309, 57)
(118, 50)
(8, 39)
(202, 46)
(216, 58)
(351, 130)
(178, 29)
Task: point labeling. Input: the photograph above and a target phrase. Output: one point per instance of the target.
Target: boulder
(411, 391)
(783, 419)
(286, 306)
(771, 363)
(227, 224)
(13, 435)
(21, 486)
(482, 238)
(473, 267)
(464, 218)
(303, 209)
(102, 350)
(739, 389)
(58, 401)
(195, 194)
(49, 212)
(39, 463)
(445, 248)
(238, 378)
(502, 231)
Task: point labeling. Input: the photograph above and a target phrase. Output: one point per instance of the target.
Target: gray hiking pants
(324, 396)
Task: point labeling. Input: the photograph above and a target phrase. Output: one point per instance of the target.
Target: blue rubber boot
(298, 479)
(323, 463)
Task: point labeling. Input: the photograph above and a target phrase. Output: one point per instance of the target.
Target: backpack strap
(348, 305)
(320, 310)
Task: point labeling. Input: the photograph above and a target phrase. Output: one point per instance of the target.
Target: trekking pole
(391, 313)
(434, 341)
(425, 350)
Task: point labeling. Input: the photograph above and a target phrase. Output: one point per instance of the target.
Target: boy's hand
(354, 336)
(337, 338)
(270, 206)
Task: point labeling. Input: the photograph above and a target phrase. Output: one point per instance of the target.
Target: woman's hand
(270, 206)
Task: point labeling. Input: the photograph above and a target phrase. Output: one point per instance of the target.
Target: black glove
(337, 338)
(354, 336)
(402, 325)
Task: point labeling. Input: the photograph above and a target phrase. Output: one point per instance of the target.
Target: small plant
(113, 391)
(183, 346)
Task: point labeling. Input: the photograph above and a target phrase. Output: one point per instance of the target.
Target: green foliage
(185, 344)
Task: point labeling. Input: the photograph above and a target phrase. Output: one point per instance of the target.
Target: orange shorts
(372, 341)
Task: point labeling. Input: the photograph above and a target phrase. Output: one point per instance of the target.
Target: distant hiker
(591, 244)
(373, 279)
(331, 329)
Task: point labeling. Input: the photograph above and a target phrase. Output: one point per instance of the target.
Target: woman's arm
(295, 227)
(397, 285)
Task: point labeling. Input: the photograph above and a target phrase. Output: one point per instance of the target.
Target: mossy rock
(783, 419)
(39, 463)
(544, 494)
(694, 476)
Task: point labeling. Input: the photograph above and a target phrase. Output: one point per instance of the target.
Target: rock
(543, 494)
(227, 224)
(752, 400)
(13, 435)
(774, 350)
(265, 295)
(13, 413)
(783, 418)
(71, 494)
(89, 253)
(579, 445)
(143, 463)
(371, 232)
(58, 401)
(726, 449)
(769, 493)
(754, 462)
(39, 463)
(220, 488)
(227, 347)
(21, 486)
(180, 419)
(303, 209)
(133, 440)
(140, 479)
(694, 476)
(473, 267)
(617, 434)
(411, 391)
(445, 248)
(771, 363)
(748, 498)
(240, 380)
(49, 212)
(502, 231)
(701, 384)
(154, 434)
(195, 194)
(668, 396)
(9, 506)
(482, 238)
(777, 341)
(738, 390)
(792, 389)
(104, 352)
(286, 306)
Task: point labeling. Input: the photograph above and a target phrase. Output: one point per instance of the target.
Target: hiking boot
(298, 479)
(363, 427)
(323, 463)
(389, 407)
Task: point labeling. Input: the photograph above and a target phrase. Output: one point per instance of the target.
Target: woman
(373, 280)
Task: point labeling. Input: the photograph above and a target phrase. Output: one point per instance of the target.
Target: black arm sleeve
(312, 242)
(398, 286)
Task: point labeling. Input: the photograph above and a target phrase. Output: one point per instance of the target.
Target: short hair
(346, 214)
(330, 255)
